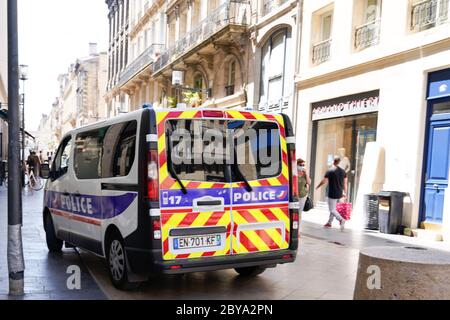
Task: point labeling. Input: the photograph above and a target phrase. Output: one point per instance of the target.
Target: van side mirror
(45, 171)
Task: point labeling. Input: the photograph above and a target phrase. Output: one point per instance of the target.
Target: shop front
(342, 126)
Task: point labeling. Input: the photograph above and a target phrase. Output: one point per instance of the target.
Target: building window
(368, 33)
(273, 81)
(199, 85)
(428, 14)
(321, 49)
(231, 78)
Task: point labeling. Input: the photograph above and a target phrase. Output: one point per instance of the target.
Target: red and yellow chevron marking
(264, 239)
(189, 219)
(250, 240)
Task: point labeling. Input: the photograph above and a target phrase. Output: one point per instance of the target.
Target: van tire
(250, 271)
(117, 262)
(53, 243)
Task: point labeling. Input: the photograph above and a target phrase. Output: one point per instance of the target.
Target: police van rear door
(194, 189)
(260, 188)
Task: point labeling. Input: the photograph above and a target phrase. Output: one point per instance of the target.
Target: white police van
(115, 189)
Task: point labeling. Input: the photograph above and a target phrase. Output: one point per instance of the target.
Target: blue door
(436, 178)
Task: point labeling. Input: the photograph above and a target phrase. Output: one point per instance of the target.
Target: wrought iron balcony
(367, 35)
(145, 59)
(321, 52)
(429, 13)
(270, 5)
(277, 106)
(231, 12)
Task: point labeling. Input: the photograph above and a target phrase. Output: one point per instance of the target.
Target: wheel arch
(110, 230)
(46, 213)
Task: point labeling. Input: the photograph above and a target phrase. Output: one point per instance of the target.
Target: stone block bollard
(402, 273)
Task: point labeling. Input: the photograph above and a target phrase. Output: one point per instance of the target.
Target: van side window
(119, 149)
(106, 152)
(61, 163)
(126, 147)
(88, 152)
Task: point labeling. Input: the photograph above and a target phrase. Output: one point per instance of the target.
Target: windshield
(223, 150)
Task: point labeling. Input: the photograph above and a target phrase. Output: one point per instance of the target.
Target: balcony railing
(321, 52)
(278, 105)
(429, 13)
(145, 59)
(232, 12)
(270, 5)
(367, 35)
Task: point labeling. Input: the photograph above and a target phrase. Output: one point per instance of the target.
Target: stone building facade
(373, 85)
(226, 53)
(81, 97)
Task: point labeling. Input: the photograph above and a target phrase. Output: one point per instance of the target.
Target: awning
(4, 116)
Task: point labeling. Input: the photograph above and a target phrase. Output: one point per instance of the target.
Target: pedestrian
(41, 157)
(304, 183)
(336, 179)
(34, 163)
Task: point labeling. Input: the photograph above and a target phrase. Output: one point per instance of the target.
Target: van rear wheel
(117, 263)
(250, 271)
(53, 243)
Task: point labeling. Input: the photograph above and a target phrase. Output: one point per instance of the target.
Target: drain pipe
(297, 62)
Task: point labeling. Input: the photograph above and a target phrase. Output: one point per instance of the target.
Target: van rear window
(223, 150)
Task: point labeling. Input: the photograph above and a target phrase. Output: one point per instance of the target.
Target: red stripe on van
(208, 254)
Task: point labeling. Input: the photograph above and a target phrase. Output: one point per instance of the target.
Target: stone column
(190, 4)
(402, 273)
(177, 23)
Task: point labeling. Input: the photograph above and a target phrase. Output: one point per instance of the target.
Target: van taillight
(152, 176)
(293, 174)
(295, 219)
(156, 229)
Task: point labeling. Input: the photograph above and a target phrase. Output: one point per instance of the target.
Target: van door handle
(436, 186)
(209, 203)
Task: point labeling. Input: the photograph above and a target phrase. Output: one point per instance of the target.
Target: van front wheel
(53, 243)
(250, 271)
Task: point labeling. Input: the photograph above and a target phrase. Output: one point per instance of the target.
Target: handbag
(344, 209)
(308, 204)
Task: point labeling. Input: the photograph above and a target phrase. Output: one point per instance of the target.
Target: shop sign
(346, 106)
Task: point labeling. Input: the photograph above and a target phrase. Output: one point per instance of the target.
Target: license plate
(204, 241)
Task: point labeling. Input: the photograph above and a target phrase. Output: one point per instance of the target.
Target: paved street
(322, 271)
(325, 268)
(45, 273)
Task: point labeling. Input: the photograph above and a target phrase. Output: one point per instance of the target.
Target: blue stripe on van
(259, 195)
(99, 207)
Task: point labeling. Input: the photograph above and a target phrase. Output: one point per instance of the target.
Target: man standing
(336, 178)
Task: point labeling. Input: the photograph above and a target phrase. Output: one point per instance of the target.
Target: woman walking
(304, 183)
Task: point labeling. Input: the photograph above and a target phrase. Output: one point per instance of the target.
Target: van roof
(133, 114)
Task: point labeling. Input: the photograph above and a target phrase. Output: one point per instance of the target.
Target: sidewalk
(354, 237)
(45, 273)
